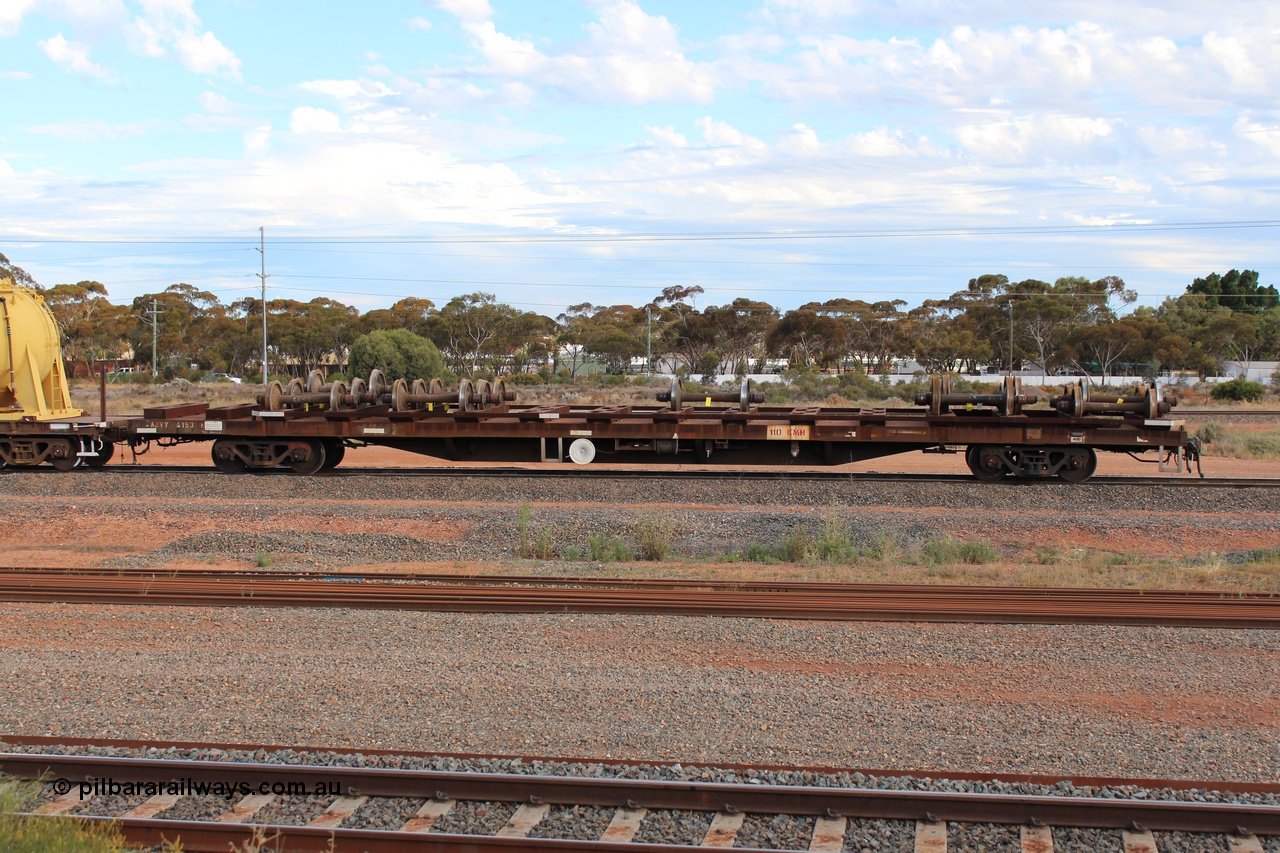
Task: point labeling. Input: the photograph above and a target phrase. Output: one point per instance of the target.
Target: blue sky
(555, 153)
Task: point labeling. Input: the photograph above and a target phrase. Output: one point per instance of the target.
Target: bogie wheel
(105, 452)
(334, 451)
(986, 463)
(377, 383)
(1081, 463)
(314, 461)
(68, 460)
(225, 458)
(271, 398)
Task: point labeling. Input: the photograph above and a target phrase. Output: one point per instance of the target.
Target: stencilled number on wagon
(787, 432)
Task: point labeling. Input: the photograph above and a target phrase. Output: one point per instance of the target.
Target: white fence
(1037, 379)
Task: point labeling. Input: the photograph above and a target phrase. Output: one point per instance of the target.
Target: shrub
(795, 548)
(1239, 389)
(602, 548)
(398, 353)
(834, 544)
(1211, 432)
(943, 551)
(523, 379)
(653, 537)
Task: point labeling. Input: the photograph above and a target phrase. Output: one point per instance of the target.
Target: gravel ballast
(1083, 700)
(330, 522)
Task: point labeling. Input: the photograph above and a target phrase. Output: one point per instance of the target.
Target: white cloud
(417, 22)
(506, 55)
(733, 175)
(257, 142)
(93, 19)
(217, 104)
(1265, 136)
(1233, 54)
(204, 54)
(314, 120)
(73, 57)
(468, 11)
(628, 56)
(1034, 138)
(666, 136)
(16, 75)
(11, 14)
(172, 25)
(1059, 67)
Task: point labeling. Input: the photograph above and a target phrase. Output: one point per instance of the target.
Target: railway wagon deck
(311, 436)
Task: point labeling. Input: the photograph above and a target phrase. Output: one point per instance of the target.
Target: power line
(713, 236)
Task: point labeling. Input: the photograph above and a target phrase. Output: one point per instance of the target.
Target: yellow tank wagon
(33, 383)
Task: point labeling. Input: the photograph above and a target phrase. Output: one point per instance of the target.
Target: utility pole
(648, 360)
(262, 250)
(1010, 337)
(155, 334)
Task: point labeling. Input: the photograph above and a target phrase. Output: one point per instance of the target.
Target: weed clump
(654, 535)
(949, 551)
(534, 543)
(22, 834)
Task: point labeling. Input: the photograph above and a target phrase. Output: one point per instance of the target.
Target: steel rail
(600, 472)
(1228, 786)
(557, 581)
(211, 837)
(1161, 815)
(866, 603)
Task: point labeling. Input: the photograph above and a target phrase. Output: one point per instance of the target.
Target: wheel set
(400, 396)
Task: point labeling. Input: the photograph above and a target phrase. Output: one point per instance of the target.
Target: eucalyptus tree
(92, 327)
(188, 326)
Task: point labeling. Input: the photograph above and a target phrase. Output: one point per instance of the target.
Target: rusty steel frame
(833, 602)
(842, 426)
(743, 435)
(1022, 809)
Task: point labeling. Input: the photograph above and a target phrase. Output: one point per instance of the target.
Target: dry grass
(1257, 571)
(20, 834)
(1241, 441)
(132, 399)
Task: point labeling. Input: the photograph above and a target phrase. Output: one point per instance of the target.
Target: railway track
(828, 602)
(247, 793)
(605, 473)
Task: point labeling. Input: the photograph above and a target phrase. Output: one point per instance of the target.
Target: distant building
(1254, 371)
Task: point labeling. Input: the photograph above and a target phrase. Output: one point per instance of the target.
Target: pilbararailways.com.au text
(191, 788)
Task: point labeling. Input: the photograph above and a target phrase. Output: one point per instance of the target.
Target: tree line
(1073, 323)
